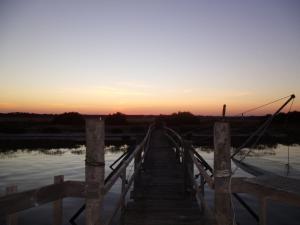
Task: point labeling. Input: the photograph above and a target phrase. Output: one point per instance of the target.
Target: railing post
(222, 173)
(12, 219)
(94, 170)
(202, 193)
(188, 167)
(58, 205)
(123, 188)
(137, 160)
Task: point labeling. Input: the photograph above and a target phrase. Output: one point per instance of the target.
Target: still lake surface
(32, 168)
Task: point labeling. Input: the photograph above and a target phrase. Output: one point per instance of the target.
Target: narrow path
(160, 198)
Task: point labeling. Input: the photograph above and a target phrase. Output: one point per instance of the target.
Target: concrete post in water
(12, 219)
(58, 205)
(94, 170)
(222, 173)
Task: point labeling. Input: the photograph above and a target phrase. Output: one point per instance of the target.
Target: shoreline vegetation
(29, 130)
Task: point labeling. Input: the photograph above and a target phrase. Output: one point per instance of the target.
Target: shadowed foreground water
(34, 168)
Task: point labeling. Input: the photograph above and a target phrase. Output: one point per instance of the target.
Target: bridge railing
(138, 155)
(93, 189)
(191, 158)
(217, 178)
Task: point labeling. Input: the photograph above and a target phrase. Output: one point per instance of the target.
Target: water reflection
(80, 150)
(31, 168)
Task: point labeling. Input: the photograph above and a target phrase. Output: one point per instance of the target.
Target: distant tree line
(179, 118)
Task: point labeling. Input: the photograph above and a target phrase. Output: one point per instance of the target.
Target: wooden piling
(58, 204)
(94, 170)
(222, 173)
(12, 219)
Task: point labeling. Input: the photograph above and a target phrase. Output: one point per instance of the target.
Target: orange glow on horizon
(150, 107)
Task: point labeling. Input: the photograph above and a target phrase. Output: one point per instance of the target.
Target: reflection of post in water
(12, 219)
(58, 204)
(287, 166)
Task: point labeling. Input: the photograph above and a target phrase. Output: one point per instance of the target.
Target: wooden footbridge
(160, 194)
(167, 186)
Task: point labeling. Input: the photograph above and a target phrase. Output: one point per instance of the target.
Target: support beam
(222, 173)
(94, 170)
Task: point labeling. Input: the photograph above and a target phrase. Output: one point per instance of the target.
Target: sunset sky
(148, 56)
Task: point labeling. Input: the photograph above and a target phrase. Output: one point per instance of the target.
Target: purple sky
(147, 56)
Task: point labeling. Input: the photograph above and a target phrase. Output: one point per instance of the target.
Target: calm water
(33, 168)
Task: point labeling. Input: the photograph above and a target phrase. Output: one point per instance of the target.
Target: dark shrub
(70, 118)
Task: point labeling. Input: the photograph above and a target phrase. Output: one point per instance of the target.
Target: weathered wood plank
(256, 187)
(32, 198)
(160, 198)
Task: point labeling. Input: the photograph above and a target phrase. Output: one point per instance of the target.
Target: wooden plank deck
(159, 197)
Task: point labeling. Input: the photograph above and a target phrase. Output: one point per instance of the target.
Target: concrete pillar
(222, 173)
(94, 170)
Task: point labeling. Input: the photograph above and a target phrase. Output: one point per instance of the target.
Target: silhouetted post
(123, 188)
(137, 160)
(188, 166)
(12, 219)
(224, 111)
(222, 173)
(94, 170)
(202, 180)
(58, 205)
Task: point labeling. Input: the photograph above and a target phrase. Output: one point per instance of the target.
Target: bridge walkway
(159, 195)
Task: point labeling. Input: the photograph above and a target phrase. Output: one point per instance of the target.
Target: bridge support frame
(222, 173)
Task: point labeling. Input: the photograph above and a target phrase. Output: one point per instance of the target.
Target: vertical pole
(12, 219)
(57, 205)
(263, 211)
(123, 177)
(202, 192)
(224, 111)
(222, 173)
(137, 160)
(94, 170)
(188, 167)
